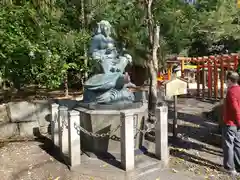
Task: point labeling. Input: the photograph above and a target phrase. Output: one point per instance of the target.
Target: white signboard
(175, 87)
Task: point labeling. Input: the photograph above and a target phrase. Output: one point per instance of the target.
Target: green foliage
(40, 41)
(217, 23)
(37, 48)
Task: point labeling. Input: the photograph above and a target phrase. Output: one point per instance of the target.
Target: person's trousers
(231, 147)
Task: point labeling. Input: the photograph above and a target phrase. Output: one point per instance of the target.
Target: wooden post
(228, 63)
(203, 76)
(182, 68)
(215, 79)
(169, 72)
(222, 78)
(209, 78)
(235, 62)
(175, 124)
(198, 78)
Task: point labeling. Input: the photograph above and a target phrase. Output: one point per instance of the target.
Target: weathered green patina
(109, 83)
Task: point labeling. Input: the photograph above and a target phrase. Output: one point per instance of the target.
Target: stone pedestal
(96, 127)
(63, 129)
(54, 124)
(127, 140)
(74, 144)
(103, 121)
(161, 135)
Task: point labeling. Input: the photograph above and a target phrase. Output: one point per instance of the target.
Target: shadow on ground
(48, 146)
(195, 133)
(197, 127)
(182, 154)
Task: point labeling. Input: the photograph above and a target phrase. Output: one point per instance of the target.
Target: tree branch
(150, 20)
(155, 47)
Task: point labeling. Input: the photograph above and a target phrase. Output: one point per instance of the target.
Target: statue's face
(104, 27)
(107, 30)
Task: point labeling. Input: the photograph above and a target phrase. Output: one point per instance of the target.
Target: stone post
(63, 128)
(74, 139)
(127, 140)
(161, 135)
(54, 124)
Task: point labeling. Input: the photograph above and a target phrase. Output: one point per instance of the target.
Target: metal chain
(92, 134)
(148, 128)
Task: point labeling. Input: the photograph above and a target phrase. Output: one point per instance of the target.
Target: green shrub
(37, 48)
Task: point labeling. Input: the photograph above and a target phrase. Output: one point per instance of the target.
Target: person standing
(231, 128)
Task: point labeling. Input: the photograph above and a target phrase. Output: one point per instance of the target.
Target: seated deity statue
(109, 83)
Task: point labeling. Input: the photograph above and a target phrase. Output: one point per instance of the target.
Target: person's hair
(233, 77)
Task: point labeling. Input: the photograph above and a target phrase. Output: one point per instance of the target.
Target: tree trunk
(83, 18)
(66, 85)
(153, 69)
(150, 20)
(152, 59)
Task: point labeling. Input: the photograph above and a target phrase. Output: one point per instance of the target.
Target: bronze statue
(110, 83)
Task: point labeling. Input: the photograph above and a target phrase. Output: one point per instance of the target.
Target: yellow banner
(190, 67)
(238, 3)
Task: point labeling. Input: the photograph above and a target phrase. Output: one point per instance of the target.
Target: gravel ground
(28, 161)
(196, 153)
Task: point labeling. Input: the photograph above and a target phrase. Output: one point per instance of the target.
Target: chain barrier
(96, 135)
(64, 124)
(148, 127)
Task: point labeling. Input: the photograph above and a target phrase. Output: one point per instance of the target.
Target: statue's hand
(129, 85)
(97, 56)
(108, 96)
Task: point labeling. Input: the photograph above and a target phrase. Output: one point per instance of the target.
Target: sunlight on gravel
(27, 161)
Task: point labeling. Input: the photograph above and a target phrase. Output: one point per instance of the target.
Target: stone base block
(29, 129)
(103, 121)
(45, 129)
(22, 111)
(8, 130)
(43, 112)
(3, 114)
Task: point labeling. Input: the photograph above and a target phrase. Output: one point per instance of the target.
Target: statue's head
(104, 27)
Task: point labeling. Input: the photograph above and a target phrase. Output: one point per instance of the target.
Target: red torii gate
(212, 64)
